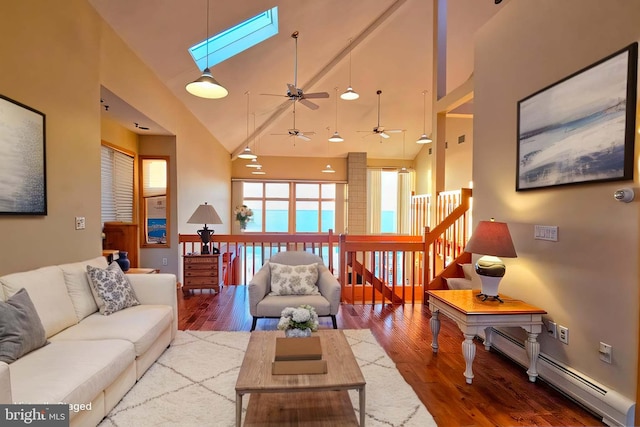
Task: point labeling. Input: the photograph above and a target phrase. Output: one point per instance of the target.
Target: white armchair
(264, 305)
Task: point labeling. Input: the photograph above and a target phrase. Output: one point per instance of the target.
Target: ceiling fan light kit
(206, 86)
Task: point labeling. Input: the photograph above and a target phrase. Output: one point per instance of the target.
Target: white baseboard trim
(615, 409)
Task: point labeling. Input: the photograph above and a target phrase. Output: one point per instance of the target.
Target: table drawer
(200, 273)
(200, 281)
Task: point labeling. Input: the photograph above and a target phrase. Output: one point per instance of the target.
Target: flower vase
(297, 333)
(123, 261)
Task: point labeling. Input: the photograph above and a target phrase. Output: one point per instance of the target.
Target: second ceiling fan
(381, 130)
(294, 93)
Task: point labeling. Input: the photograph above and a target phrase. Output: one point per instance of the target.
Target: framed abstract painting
(23, 184)
(582, 128)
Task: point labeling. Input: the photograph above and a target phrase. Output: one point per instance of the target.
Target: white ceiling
(391, 51)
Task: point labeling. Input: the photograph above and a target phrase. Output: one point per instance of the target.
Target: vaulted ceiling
(387, 44)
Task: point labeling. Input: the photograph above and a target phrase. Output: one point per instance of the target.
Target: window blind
(116, 174)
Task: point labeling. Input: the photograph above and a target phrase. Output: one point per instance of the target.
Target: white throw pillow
(294, 279)
(112, 289)
(468, 270)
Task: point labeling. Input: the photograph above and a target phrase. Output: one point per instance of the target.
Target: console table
(201, 272)
(472, 315)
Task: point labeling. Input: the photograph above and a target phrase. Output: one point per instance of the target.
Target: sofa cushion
(69, 371)
(21, 330)
(48, 292)
(294, 279)
(272, 306)
(112, 289)
(79, 286)
(141, 325)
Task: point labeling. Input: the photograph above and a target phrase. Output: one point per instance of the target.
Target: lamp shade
(207, 87)
(205, 214)
(491, 238)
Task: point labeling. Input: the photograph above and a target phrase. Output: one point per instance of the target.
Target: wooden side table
(201, 272)
(472, 315)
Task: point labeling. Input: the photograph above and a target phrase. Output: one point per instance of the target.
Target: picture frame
(582, 128)
(23, 183)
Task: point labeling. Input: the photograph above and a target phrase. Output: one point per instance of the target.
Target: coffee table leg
(435, 329)
(469, 353)
(238, 409)
(363, 406)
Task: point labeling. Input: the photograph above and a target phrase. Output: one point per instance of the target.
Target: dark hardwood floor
(501, 394)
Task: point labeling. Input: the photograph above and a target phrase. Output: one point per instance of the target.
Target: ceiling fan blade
(309, 104)
(393, 130)
(273, 94)
(303, 137)
(316, 95)
(384, 135)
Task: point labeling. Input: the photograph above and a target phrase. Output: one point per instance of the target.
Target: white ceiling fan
(296, 132)
(294, 93)
(380, 130)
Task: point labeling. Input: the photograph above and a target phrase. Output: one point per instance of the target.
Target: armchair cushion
(294, 279)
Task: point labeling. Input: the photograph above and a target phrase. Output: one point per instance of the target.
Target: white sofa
(91, 359)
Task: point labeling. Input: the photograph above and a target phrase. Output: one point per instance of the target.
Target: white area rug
(193, 385)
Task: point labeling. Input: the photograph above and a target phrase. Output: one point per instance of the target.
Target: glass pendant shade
(247, 154)
(336, 137)
(328, 169)
(350, 94)
(207, 87)
(424, 139)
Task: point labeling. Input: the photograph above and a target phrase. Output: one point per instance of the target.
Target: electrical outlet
(606, 351)
(563, 334)
(80, 225)
(552, 329)
(164, 261)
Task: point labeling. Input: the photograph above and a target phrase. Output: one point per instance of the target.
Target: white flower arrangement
(243, 215)
(303, 317)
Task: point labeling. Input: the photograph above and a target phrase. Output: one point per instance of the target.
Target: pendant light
(328, 168)
(246, 153)
(424, 139)
(350, 94)
(254, 162)
(206, 86)
(403, 169)
(336, 136)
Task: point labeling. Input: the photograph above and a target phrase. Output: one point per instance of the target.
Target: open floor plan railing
(392, 269)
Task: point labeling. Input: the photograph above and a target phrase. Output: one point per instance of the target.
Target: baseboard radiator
(615, 409)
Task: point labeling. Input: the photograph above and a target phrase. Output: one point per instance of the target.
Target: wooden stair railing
(390, 268)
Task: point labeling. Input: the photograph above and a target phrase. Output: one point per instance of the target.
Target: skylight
(236, 39)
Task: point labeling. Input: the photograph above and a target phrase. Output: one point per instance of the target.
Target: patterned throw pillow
(112, 289)
(294, 279)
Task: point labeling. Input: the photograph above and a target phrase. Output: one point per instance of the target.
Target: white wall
(588, 280)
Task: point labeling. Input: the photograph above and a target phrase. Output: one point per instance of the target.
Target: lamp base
(485, 297)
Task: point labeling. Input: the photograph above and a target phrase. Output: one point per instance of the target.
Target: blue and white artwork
(22, 160)
(580, 129)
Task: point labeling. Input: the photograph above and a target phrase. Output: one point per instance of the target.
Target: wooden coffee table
(343, 373)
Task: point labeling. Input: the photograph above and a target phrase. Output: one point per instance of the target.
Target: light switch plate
(80, 224)
(546, 232)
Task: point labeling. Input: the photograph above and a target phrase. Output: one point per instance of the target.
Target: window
(236, 39)
(290, 207)
(389, 201)
(154, 201)
(116, 178)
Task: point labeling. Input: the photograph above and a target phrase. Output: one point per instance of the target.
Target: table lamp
(492, 240)
(205, 214)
